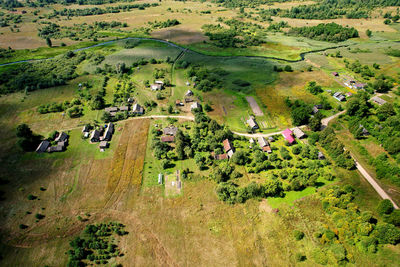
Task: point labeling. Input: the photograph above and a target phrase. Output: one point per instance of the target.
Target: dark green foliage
(336, 149)
(31, 197)
(22, 226)
(385, 207)
(39, 216)
(315, 122)
(27, 141)
(330, 32)
(387, 233)
(314, 88)
(299, 111)
(298, 235)
(75, 112)
(96, 244)
(393, 52)
(164, 24)
(39, 75)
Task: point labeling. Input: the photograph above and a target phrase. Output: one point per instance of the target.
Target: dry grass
(291, 85)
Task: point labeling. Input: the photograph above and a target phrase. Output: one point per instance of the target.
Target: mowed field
(81, 184)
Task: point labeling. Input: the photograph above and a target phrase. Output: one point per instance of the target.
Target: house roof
(267, 149)
(85, 128)
(189, 93)
(170, 130)
(124, 108)
(95, 134)
(195, 105)
(167, 138)
(227, 145)
(156, 86)
(315, 109)
(335, 73)
(262, 142)
(230, 153)
(111, 109)
(298, 132)
(159, 82)
(288, 134)
(61, 137)
(137, 108)
(252, 123)
(42, 146)
(378, 100)
(321, 155)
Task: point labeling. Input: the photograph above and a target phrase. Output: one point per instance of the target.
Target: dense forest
(330, 32)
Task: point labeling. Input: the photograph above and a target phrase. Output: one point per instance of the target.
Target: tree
(385, 111)
(314, 88)
(48, 42)
(207, 107)
(385, 207)
(288, 68)
(369, 33)
(239, 158)
(315, 122)
(23, 131)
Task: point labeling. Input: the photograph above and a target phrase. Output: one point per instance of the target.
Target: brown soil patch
(180, 35)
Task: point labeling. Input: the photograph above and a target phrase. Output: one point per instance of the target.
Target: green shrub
(298, 235)
(385, 207)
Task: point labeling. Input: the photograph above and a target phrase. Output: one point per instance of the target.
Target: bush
(298, 235)
(385, 207)
(300, 257)
(31, 197)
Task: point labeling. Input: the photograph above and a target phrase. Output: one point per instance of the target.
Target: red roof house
(288, 134)
(227, 145)
(167, 139)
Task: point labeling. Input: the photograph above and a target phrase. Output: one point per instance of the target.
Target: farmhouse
(321, 155)
(95, 136)
(271, 139)
(335, 74)
(170, 130)
(61, 137)
(111, 109)
(378, 100)
(339, 96)
(195, 105)
(124, 108)
(288, 134)
(58, 148)
(137, 109)
(227, 145)
(43, 146)
(178, 103)
(298, 133)
(264, 145)
(85, 129)
(189, 93)
(130, 100)
(109, 132)
(219, 156)
(359, 85)
(315, 110)
(156, 87)
(167, 139)
(252, 123)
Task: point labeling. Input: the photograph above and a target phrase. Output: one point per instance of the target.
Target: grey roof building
(43, 146)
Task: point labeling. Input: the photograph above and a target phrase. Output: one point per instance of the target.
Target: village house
(271, 139)
(179, 103)
(95, 136)
(364, 131)
(109, 132)
(167, 139)
(86, 128)
(130, 100)
(170, 130)
(124, 108)
(42, 146)
(160, 178)
(321, 155)
(137, 109)
(219, 156)
(156, 87)
(111, 109)
(228, 148)
(61, 137)
(378, 100)
(359, 85)
(189, 93)
(288, 135)
(298, 133)
(252, 123)
(58, 148)
(339, 96)
(195, 105)
(315, 110)
(264, 145)
(335, 74)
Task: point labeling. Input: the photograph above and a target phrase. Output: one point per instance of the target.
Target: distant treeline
(70, 12)
(246, 3)
(330, 9)
(330, 32)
